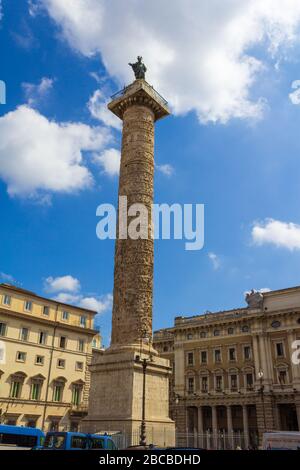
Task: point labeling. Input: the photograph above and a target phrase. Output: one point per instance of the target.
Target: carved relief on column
(133, 275)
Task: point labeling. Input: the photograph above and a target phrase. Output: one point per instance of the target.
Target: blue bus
(77, 441)
(19, 437)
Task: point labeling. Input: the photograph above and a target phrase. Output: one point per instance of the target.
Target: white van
(281, 440)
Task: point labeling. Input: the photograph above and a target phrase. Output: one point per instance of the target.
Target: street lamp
(144, 362)
(262, 387)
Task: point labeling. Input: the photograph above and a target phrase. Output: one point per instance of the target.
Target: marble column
(298, 415)
(215, 425)
(246, 426)
(230, 427)
(200, 427)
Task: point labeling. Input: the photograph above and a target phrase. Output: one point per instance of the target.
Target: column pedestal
(116, 398)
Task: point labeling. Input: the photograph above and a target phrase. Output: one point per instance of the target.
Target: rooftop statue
(254, 299)
(139, 68)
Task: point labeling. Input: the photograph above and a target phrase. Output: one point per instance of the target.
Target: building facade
(236, 372)
(45, 352)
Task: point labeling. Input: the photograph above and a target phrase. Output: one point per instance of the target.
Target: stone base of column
(116, 393)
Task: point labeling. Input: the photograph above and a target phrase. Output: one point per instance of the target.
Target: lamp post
(261, 390)
(144, 362)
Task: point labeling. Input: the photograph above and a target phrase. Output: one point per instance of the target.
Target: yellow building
(235, 372)
(45, 350)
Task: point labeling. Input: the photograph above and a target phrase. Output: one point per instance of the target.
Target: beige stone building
(233, 374)
(45, 350)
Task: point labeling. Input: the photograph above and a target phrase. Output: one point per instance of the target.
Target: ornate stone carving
(254, 299)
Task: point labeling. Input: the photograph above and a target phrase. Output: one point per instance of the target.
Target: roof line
(56, 302)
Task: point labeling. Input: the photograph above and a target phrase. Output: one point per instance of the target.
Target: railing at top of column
(157, 95)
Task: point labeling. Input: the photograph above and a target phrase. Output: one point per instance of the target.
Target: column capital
(142, 94)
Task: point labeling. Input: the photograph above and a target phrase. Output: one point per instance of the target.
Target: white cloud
(33, 7)
(38, 155)
(109, 160)
(262, 290)
(295, 95)
(216, 262)
(7, 278)
(67, 298)
(63, 283)
(166, 169)
(99, 304)
(35, 93)
(67, 290)
(275, 232)
(98, 108)
(199, 54)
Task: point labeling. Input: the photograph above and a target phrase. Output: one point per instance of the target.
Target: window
(42, 337)
(24, 333)
(204, 384)
(79, 366)
(111, 445)
(39, 360)
(247, 352)
(83, 320)
(230, 331)
(249, 380)
(81, 345)
(203, 357)
(21, 356)
(245, 328)
(282, 377)
(6, 300)
(191, 382)
(15, 389)
(279, 350)
(233, 382)
(46, 310)
(275, 324)
(232, 355)
(65, 315)
(63, 342)
(28, 305)
(76, 395)
(61, 363)
(217, 333)
(219, 382)
(217, 355)
(165, 348)
(190, 358)
(58, 392)
(35, 392)
(78, 442)
(2, 329)
(31, 423)
(203, 334)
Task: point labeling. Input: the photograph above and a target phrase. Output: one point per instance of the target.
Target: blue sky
(232, 143)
